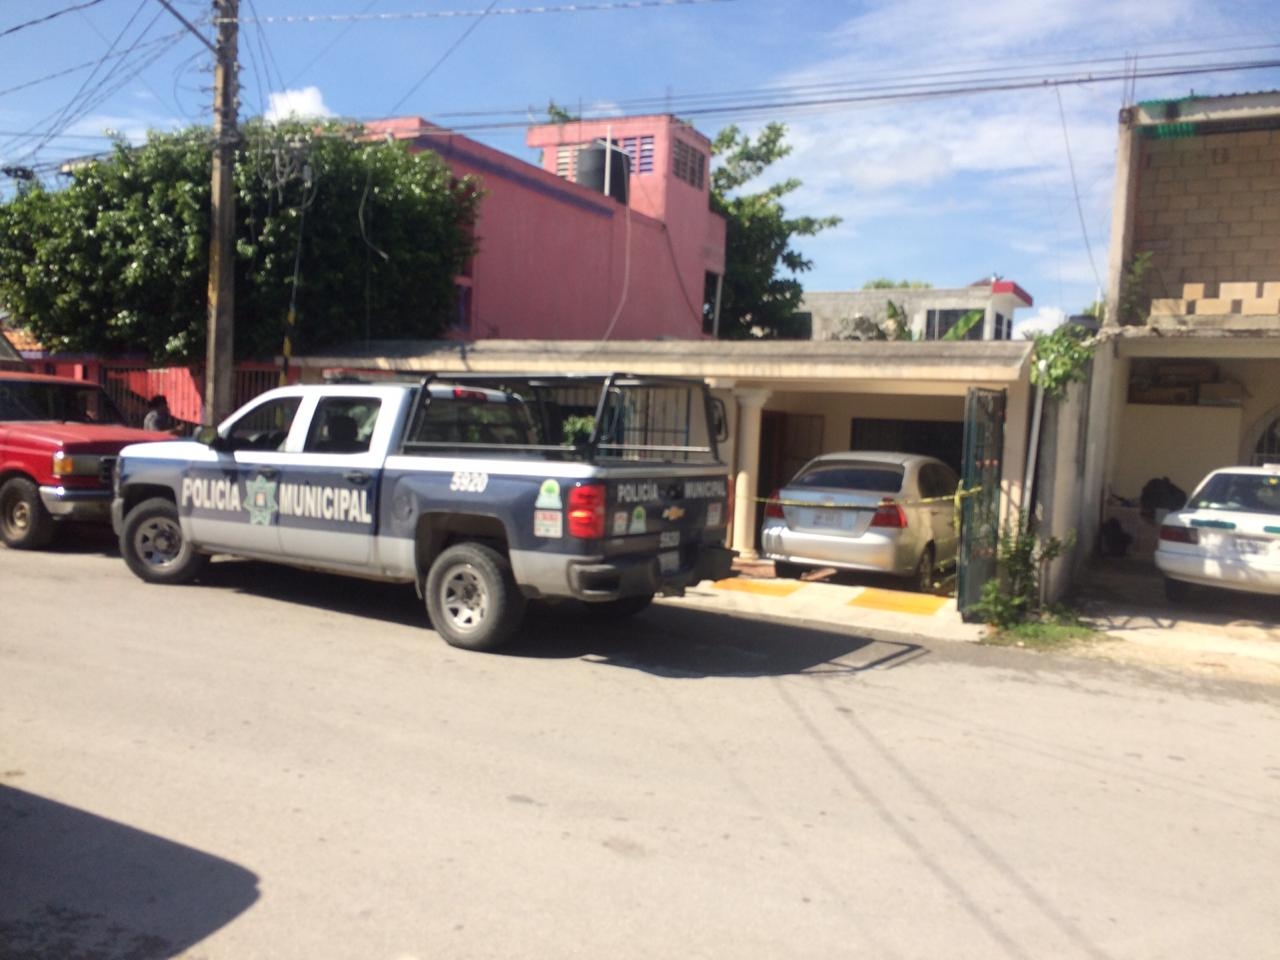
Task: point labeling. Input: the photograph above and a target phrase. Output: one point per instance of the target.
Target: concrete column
(1123, 211)
(747, 463)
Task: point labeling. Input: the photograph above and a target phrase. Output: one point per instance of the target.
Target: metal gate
(980, 495)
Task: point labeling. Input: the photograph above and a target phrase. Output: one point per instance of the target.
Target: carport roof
(960, 362)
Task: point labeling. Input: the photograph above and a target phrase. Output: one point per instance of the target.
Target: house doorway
(787, 442)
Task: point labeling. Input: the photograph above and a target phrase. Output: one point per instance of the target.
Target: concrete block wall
(1208, 209)
(1251, 298)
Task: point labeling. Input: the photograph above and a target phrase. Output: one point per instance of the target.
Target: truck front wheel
(153, 546)
(472, 597)
(24, 522)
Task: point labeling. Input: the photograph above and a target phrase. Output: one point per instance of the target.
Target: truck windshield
(37, 400)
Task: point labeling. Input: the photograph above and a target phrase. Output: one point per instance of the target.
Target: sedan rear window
(1250, 492)
(871, 477)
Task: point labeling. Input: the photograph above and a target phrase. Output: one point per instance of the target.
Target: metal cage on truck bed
(596, 418)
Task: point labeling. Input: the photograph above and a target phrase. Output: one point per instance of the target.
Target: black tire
(787, 571)
(25, 524)
(621, 608)
(922, 577)
(153, 547)
(472, 598)
(1176, 591)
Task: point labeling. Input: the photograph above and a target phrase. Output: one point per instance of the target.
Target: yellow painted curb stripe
(898, 602)
(770, 588)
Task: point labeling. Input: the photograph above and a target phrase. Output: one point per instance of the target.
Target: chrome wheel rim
(464, 599)
(17, 516)
(158, 542)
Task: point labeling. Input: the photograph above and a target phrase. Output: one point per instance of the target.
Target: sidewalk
(1124, 600)
(880, 605)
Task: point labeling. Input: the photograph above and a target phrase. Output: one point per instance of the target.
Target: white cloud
(305, 103)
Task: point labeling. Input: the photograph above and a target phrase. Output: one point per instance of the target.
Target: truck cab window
(265, 427)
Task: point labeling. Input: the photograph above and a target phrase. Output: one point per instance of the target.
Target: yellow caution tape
(955, 499)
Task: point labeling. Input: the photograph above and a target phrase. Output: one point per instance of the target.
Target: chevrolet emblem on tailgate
(673, 513)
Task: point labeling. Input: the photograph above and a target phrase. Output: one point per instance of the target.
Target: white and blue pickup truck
(484, 491)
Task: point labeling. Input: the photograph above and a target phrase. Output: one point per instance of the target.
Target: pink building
(561, 260)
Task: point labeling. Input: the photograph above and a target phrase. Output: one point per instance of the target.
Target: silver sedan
(888, 513)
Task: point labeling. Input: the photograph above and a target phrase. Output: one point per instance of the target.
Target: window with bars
(688, 164)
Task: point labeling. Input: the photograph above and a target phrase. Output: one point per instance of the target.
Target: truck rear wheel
(24, 522)
(472, 597)
(153, 546)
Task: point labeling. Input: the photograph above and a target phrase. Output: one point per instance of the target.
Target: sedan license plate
(669, 561)
(829, 519)
(1250, 546)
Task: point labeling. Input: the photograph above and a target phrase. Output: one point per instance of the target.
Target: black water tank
(591, 170)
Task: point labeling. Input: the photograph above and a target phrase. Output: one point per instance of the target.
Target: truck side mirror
(719, 420)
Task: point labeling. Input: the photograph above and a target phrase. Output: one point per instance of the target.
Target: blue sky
(942, 188)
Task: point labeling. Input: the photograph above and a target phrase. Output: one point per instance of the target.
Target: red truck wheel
(24, 522)
(153, 546)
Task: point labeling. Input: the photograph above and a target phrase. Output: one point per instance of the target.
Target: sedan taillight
(1179, 534)
(773, 508)
(890, 514)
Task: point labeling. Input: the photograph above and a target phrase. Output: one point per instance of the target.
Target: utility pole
(220, 357)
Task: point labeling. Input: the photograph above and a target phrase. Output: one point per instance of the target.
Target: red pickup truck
(58, 443)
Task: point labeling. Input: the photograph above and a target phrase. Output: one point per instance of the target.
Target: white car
(1228, 534)
(866, 511)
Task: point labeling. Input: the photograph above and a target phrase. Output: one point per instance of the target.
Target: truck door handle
(358, 477)
(269, 472)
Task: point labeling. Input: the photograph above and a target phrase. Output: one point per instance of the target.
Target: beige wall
(1182, 443)
(1262, 397)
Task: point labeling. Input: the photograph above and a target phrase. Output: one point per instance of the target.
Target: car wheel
(787, 571)
(472, 597)
(621, 608)
(25, 524)
(922, 578)
(1176, 591)
(154, 547)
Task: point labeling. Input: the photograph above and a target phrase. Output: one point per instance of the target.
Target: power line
(907, 92)
(81, 66)
(1075, 188)
(443, 57)
(47, 17)
(58, 117)
(481, 14)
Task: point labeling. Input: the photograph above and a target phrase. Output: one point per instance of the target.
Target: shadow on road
(78, 885)
(664, 640)
(675, 641)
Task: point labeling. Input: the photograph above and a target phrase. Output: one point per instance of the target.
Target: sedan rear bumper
(873, 552)
(1252, 576)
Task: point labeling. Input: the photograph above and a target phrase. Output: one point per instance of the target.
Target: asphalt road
(281, 764)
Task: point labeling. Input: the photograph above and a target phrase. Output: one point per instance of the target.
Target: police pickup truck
(484, 491)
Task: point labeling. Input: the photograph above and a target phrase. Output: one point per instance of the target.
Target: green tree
(761, 294)
(117, 262)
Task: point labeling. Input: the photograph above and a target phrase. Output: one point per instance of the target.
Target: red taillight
(586, 511)
(1179, 534)
(890, 515)
(773, 508)
(478, 395)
